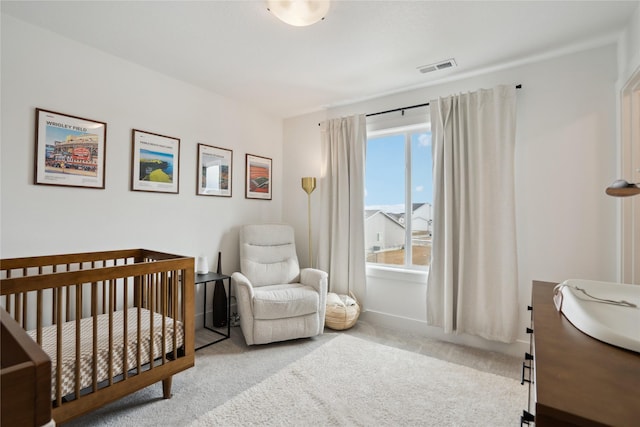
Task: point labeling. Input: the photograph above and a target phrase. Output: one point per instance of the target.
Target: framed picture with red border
(258, 184)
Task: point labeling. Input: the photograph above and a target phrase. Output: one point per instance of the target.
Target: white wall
(42, 69)
(565, 157)
(301, 157)
(629, 48)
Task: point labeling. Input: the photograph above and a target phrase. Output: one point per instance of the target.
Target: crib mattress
(68, 363)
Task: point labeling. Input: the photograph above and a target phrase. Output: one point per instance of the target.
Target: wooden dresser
(575, 379)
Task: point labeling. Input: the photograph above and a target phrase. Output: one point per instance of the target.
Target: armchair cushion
(268, 254)
(283, 301)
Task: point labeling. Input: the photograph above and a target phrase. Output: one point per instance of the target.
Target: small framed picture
(258, 177)
(214, 171)
(70, 150)
(155, 162)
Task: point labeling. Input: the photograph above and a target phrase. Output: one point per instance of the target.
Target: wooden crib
(112, 322)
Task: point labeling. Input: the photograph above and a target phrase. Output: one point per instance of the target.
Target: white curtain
(473, 278)
(341, 238)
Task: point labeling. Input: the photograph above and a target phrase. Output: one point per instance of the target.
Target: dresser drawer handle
(522, 379)
(526, 418)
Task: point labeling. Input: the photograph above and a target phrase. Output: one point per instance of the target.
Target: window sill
(397, 274)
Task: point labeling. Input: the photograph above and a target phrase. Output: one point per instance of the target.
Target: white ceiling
(361, 50)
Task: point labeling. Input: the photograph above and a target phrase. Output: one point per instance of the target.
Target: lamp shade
(308, 184)
(622, 188)
(299, 13)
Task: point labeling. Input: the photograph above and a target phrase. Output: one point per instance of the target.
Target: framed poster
(70, 150)
(258, 177)
(155, 162)
(214, 171)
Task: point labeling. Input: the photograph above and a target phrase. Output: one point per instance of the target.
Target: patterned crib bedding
(68, 365)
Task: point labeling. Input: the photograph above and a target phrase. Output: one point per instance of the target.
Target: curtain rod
(518, 86)
(410, 107)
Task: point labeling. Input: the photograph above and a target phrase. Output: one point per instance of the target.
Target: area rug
(349, 381)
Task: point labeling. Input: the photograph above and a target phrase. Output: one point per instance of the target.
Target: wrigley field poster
(70, 150)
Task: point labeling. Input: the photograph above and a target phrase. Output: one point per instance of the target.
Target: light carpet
(349, 381)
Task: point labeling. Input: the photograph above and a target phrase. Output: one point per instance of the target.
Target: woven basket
(342, 317)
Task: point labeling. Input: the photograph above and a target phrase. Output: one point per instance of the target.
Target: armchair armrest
(244, 298)
(318, 280)
(315, 278)
(243, 287)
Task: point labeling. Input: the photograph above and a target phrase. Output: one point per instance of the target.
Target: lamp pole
(308, 185)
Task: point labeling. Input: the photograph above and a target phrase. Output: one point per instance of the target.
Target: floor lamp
(308, 185)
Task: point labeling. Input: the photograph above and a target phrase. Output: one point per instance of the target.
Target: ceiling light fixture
(299, 13)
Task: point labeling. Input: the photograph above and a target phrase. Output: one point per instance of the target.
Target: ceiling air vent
(449, 63)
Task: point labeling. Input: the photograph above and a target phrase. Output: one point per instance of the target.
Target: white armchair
(276, 300)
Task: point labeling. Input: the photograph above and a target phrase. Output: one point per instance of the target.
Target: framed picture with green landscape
(258, 177)
(214, 171)
(155, 162)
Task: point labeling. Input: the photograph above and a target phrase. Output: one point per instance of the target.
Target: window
(399, 196)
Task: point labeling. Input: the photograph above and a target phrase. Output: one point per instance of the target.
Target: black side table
(204, 279)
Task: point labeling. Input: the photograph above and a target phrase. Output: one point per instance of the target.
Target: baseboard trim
(420, 327)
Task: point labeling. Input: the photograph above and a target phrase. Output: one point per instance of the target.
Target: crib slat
(139, 341)
(152, 283)
(17, 309)
(25, 309)
(174, 309)
(163, 309)
(159, 289)
(7, 298)
(78, 367)
(138, 303)
(114, 283)
(10, 304)
(67, 309)
(54, 314)
(104, 297)
(94, 313)
(125, 334)
(39, 312)
(58, 300)
(111, 309)
(39, 317)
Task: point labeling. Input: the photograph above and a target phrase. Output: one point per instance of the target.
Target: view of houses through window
(399, 197)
